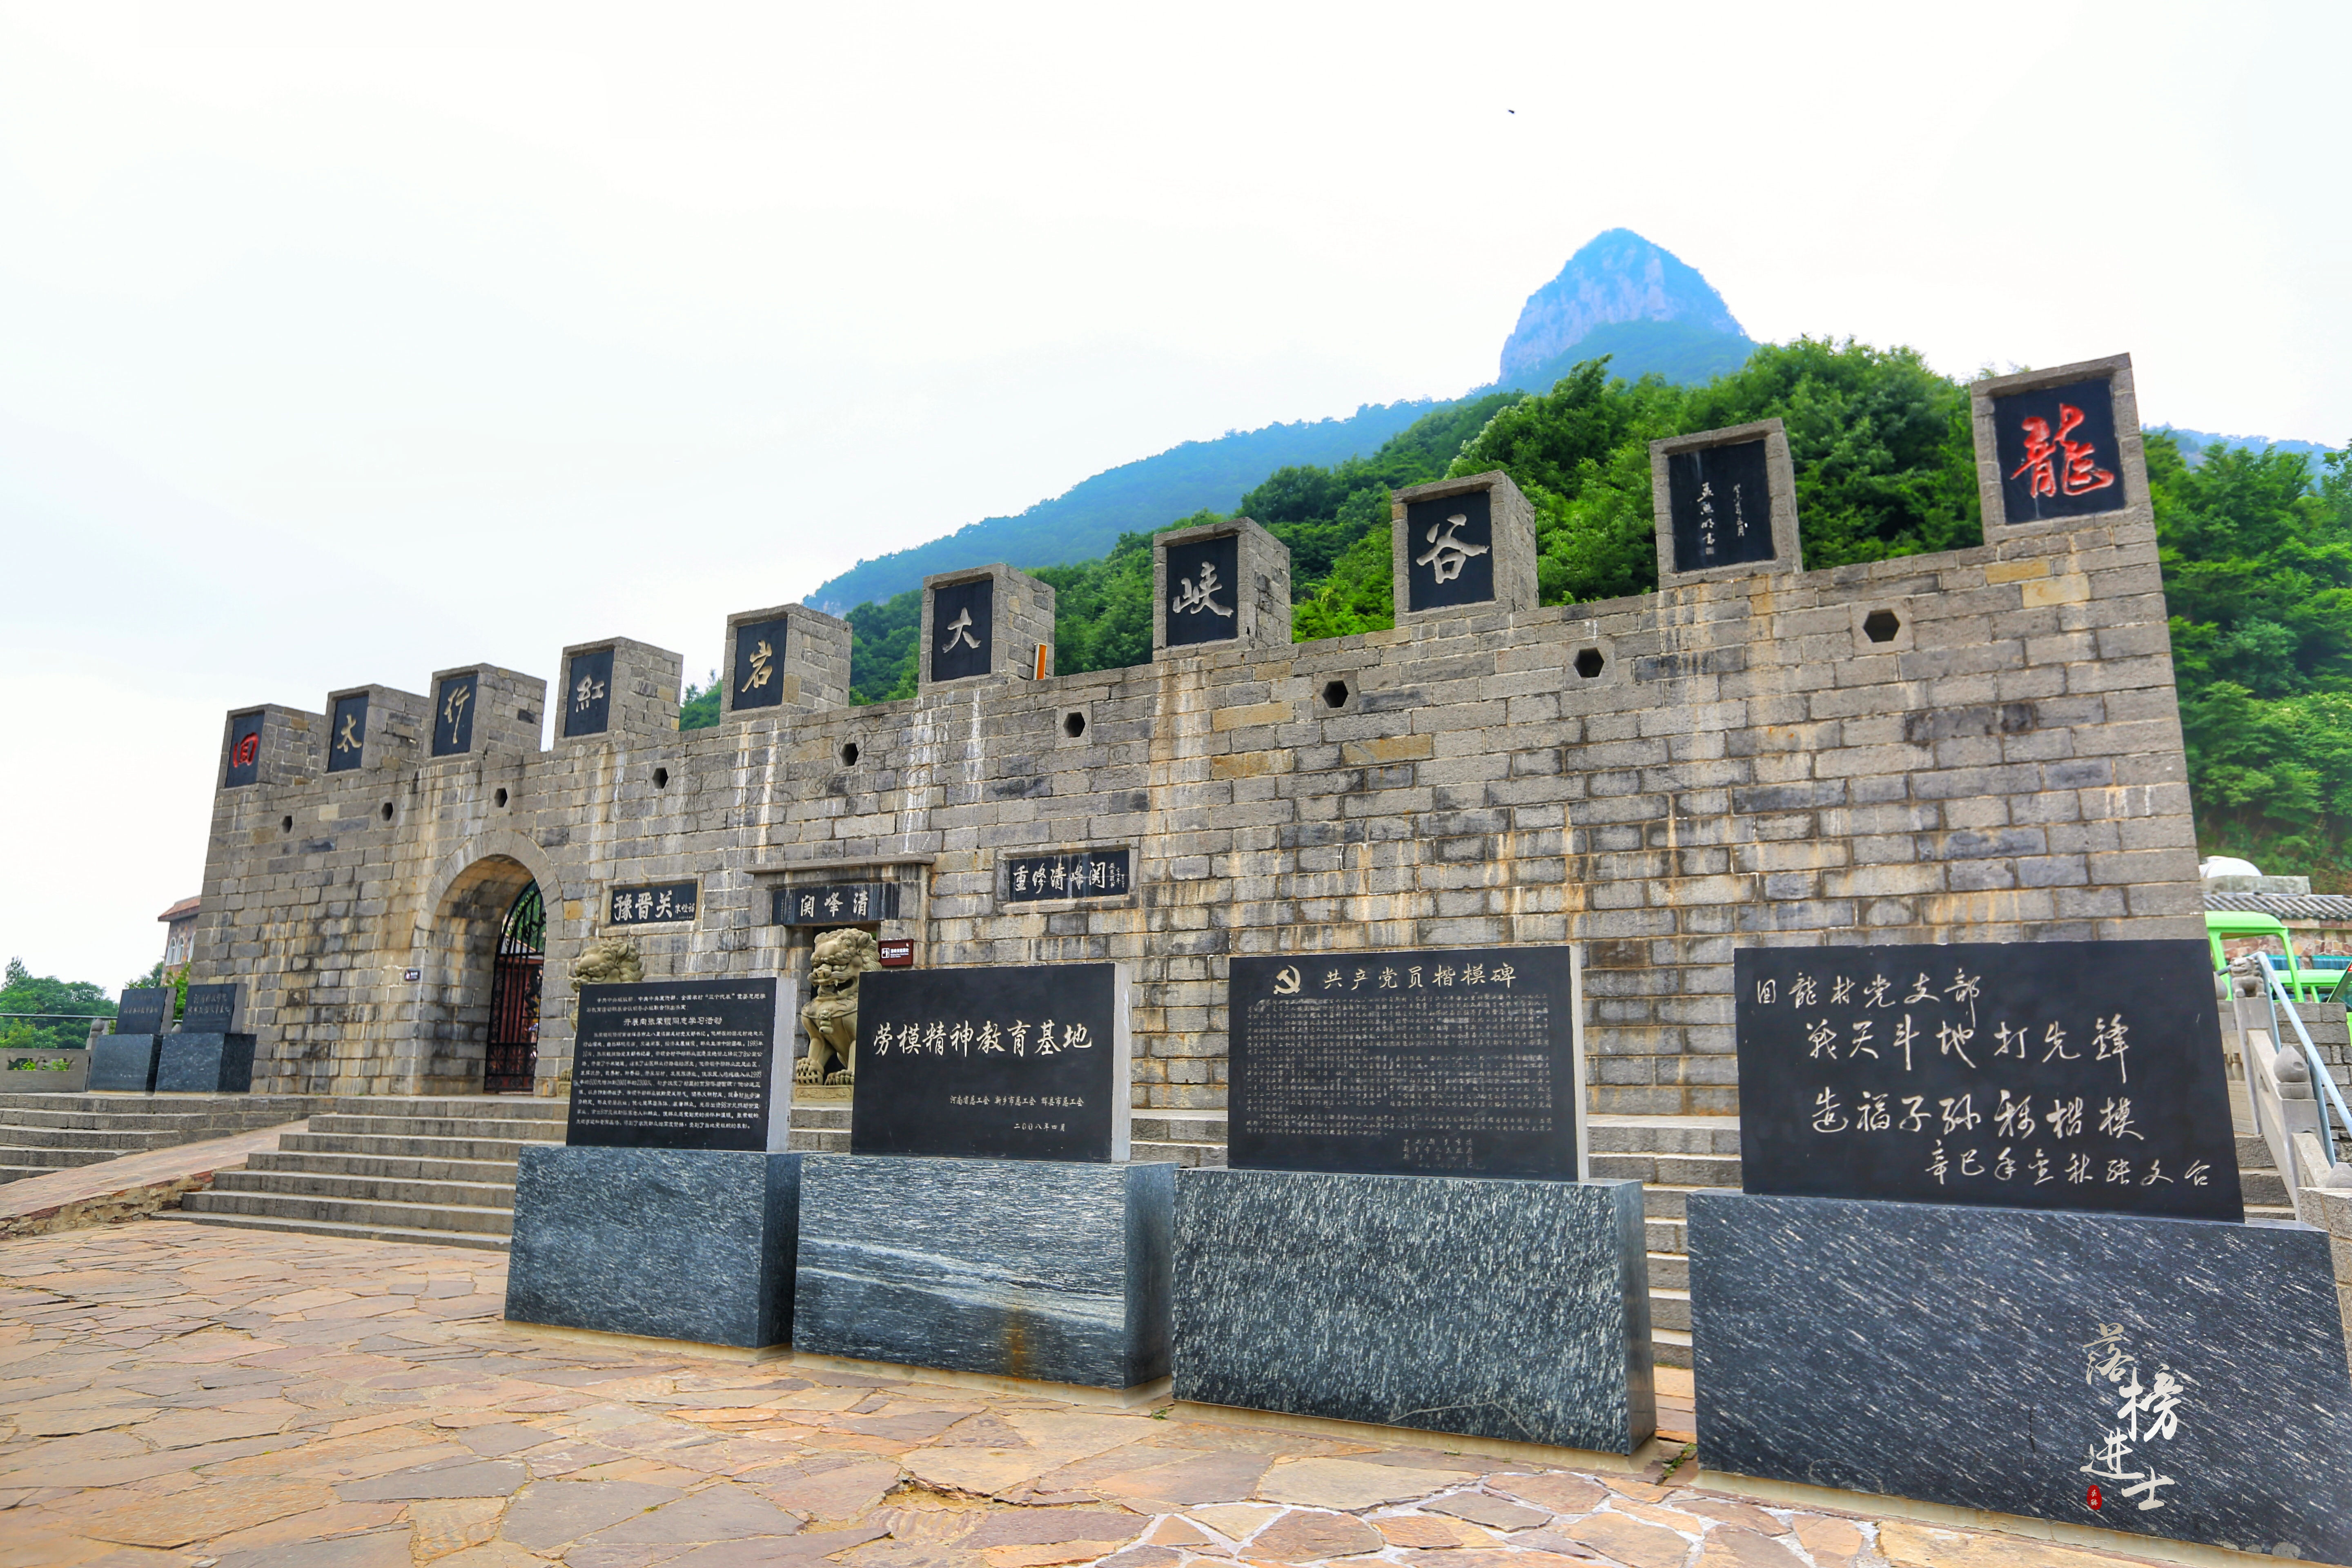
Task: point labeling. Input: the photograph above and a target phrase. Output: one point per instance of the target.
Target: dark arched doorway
(510, 1062)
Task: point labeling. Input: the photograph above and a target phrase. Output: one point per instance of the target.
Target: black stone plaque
(1448, 1061)
(1449, 552)
(679, 1063)
(144, 1011)
(588, 704)
(212, 1009)
(453, 714)
(2047, 1075)
(347, 733)
(758, 677)
(963, 620)
(1719, 502)
(206, 1063)
(1016, 1062)
(1204, 591)
(652, 904)
(1081, 874)
(834, 904)
(2059, 455)
(244, 751)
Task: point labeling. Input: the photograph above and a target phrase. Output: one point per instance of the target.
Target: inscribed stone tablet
(2059, 455)
(963, 619)
(1017, 1062)
(1450, 546)
(1452, 1061)
(1719, 499)
(1081, 874)
(835, 903)
(347, 743)
(453, 714)
(588, 706)
(1202, 607)
(759, 664)
(144, 1011)
(244, 751)
(2048, 1075)
(679, 1064)
(212, 1009)
(653, 904)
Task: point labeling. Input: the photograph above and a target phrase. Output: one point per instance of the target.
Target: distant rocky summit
(1618, 277)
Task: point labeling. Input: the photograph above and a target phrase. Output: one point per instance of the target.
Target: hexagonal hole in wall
(1074, 725)
(1335, 694)
(661, 778)
(1880, 626)
(849, 753)
(500, 798)
(1589, 663)
(387, 811)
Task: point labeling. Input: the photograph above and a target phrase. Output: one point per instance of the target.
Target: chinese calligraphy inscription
(834, 904)
(2023, 1075)
(659, 903)
(212, 1009)
(1081, 874)
(1011, 1062)
(758, 680)
(963, 618)
(1202, 583)
(244, 751)
(1450, 551)
(143, 1010)
(588, 699)
(453, 714)
(1455, 1061)
(347, 733)
(1719, 504)
(678, 1064)
(2058, 451)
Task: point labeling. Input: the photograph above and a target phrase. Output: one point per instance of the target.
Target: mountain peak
(1618, 275)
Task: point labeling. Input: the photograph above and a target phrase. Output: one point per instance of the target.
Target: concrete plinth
(1517, 1310)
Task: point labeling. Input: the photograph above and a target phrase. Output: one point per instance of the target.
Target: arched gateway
(510, 1058)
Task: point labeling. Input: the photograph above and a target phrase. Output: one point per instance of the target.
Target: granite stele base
(205, 1064)
(125, 1062)
(1031, 1269)
(1491, 1307)
(674, 1244)
(2015, 1360)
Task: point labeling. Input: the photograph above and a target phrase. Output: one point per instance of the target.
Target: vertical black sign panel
(588, 705)
(453, 714)
(212, 1009)
(347, 733)
(758, 677)
(1719, 502)
(963, 620)
(2047, 1075)
(835, 903)
(1006, 1063)
(244, 751)
(1453, 1061)
(1449, 552)
(1204, 591)
(674, 1064)
(2059, 455)
(1081, 874)
(144, 1010)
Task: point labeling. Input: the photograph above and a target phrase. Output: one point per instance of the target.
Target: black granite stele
(1430, 1061)
(1027, 1268)
(2050, 1075)
(1024, 1061)
(143, 1010)
(679, 1064)
(1517, 1310)
(214, 1009)
(125, 1062)
(674, 1243)
(209, 1062)
(1719, 505)
(1983, 1358)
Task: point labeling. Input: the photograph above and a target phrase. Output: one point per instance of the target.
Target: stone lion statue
(611, 961)
(831, 1016)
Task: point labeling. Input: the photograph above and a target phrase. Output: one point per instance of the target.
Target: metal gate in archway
(511, 1062)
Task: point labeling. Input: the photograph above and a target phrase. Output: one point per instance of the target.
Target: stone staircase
(439, 1171)
(44, 1132)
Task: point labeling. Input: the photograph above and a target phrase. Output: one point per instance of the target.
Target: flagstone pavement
(177, 1396)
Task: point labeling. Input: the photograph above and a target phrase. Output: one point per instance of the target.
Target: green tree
(699, 710)
(24, 992)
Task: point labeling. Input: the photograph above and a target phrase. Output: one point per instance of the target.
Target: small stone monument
(208, 1054)
(831, 1016)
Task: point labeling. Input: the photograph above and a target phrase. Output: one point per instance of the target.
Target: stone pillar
(2059, 448)
(985, 624)
(1724, 503)
(479, 708)
(271, 744)
(1222, 584)
(373, 726)
(1462, 545)
(787, 658)
(616, 690)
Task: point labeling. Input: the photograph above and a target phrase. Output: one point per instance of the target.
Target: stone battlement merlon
(1981, 745)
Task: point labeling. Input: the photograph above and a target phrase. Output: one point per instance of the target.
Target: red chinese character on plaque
(2055, 465)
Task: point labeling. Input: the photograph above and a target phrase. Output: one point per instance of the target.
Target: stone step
(118, 1140)
(1670, 1347)
(1669, 1309)
(1669, 1271)
(2266, 1187)
(51, 1159)
(505, 1150)
(816, 1141)
(480, 1241)
(389, 1167)
(1669, 1169)
(1615, 1134)
(1665, 1235)
(1191, 1156)
(378, 1189)
(139, 1121)
(828, 1118)
(276, 1107)
(502, 1107)
(532, 1130)
(426, 1219)
(1180, 1126)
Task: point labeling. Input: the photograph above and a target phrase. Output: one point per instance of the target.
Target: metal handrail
(2323, 1082)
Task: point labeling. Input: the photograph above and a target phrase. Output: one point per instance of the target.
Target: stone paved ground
(173, 1396)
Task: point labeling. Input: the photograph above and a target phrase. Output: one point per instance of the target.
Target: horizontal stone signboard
(836, 903)
(679, 1064)
(1081, 874)
(1011, 1062)
(1450, 1061)
(2048, 1075)
(654, 904)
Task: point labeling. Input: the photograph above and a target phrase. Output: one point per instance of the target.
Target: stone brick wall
(1744, 764)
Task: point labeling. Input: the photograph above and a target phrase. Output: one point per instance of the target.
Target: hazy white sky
(341, 346)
